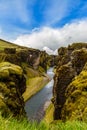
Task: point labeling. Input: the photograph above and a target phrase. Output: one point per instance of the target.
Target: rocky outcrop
(71, 61)
(32, 57)
(63, 77)
(18, 56)
(12, 86)
(75, 106)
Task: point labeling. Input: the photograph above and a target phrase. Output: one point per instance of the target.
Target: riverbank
(48, 118)
(34, 85)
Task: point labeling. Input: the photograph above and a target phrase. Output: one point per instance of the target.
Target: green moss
(79, 58)
(77, 46)
(62, 50)
(29, 72)
(4, 89)
(41, 70)
(2, 57)
(48, 118)
(76, 103)
(7, 68)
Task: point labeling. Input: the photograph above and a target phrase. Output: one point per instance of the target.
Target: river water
(34, 106)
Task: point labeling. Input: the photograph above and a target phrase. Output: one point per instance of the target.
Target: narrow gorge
(28, 90)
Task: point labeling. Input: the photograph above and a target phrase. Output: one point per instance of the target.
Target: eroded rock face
(33, 57)
(12, 86)
(75, 106)
(63, 77)
(26, 55)
(70, 64)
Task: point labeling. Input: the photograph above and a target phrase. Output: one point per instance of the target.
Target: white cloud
(54, 38)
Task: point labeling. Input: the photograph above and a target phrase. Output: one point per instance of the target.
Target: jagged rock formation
(15, 54)
(12, 86)
(33, 57)
(68, 97)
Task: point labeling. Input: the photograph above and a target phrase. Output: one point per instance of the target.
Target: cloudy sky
(39, 23)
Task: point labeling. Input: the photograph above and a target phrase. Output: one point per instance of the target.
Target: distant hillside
(4, 44)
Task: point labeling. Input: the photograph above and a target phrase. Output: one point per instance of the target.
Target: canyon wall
(70, 89)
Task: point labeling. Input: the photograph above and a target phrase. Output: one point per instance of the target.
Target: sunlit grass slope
(6, 44)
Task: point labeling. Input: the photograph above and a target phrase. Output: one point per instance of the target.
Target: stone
(12, 86)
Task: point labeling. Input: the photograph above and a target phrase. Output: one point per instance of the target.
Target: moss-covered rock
(62, 50)
(62, 79)
(71, 61)
(77, 46)
(12, 86)
(75, 106)
(10, 50)
(79, 58)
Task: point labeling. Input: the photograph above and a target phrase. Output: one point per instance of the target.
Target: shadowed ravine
(35, 107)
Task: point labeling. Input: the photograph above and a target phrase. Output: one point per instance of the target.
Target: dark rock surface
(71, 61)
(33, 57)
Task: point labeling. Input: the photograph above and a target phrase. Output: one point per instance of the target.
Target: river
(34, 106)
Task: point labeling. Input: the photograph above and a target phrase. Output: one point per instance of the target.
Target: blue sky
(26, 18)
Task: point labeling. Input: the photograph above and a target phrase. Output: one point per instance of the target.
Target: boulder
(12, 86)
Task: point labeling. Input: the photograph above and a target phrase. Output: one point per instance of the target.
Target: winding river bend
(34, 107)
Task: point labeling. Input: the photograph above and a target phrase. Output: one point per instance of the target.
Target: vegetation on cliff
(70, 87)
(19, 67)
(31, 60)
(12, 86)
(75, 106)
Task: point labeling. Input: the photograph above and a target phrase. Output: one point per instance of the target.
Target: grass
(4, 44)
(13, 124)
(69, 125)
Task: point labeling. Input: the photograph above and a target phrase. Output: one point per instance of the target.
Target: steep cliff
(68, 97)
(75, 106)
(22, 74)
